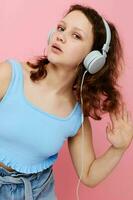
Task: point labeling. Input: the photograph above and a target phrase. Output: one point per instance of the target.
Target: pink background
(24, 26)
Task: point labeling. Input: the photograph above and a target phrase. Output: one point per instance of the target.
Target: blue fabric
(20, 186)
(30, 139)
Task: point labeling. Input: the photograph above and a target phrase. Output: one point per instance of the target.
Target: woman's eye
(77, 36)
(60, 27)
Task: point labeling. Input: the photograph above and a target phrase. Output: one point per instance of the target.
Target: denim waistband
(17, 178)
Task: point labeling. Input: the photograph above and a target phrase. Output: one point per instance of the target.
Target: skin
(61, 74)
(70, 41)
(67, 62)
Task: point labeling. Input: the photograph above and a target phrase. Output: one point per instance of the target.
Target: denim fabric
(20, 186)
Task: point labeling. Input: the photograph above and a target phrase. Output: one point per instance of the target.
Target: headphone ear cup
(50, 33)
(94, 61)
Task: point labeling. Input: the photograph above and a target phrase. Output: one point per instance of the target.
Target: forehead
(77, 19)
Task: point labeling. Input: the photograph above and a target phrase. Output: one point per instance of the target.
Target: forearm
(102, 166)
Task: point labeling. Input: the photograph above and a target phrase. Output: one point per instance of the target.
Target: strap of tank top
(16, 84)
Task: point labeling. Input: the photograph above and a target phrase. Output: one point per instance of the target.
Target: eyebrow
(74, 27)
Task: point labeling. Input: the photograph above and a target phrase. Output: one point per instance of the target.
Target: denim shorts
(20, 186)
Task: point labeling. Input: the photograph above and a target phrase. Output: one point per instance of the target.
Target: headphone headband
(95, 60)
(108, 36)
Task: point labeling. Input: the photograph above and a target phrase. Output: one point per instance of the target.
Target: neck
(59, 81)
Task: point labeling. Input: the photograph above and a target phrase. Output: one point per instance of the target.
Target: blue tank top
(30, 139)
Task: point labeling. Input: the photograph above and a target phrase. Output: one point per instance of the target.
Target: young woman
(42, 106)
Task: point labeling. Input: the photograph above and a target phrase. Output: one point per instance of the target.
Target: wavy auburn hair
(100, 92)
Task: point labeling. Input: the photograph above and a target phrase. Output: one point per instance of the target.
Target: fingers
(109, 128)
(122, 115)
(117, 116)
(129, 116)
(114, 119)
(124, 112)
(126, 115)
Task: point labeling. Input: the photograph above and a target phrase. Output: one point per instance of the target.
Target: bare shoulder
(5, 76)
(87, 130)
(25, 66)
(5, 69)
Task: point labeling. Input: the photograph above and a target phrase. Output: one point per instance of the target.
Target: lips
(56, 46)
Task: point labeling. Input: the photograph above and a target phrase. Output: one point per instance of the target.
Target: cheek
(74, 57)
(76, 52)
(78, 55)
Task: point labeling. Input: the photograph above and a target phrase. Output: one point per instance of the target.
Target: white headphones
(95, 60)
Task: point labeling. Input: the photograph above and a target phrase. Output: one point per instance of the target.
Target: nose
(60, 37)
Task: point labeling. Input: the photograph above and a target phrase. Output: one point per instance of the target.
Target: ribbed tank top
(30, 139)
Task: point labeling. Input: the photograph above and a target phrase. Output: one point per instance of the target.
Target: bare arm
(97, 169)
(103, 166)
(74, 145)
